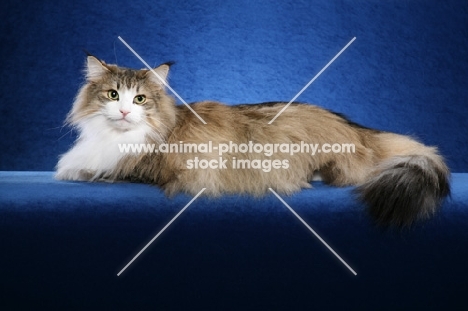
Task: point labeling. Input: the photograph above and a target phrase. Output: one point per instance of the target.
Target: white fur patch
(96, 151)
(317, 176)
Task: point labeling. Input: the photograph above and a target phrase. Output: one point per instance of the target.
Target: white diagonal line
(313, 79)
(162, 80)
(312, 230)
(160, 232)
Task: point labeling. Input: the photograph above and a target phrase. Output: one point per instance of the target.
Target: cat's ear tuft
(162, 71)
(94, 68)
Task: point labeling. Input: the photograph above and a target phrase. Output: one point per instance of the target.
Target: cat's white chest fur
(97, 151)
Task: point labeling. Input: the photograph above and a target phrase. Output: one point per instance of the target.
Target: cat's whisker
(161, 137)
(68, 132)
(168, 129)
(55, 128)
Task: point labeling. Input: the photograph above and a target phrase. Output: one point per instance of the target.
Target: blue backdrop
(62, 243)
(406, 72)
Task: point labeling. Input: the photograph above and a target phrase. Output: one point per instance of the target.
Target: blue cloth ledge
(63, 244)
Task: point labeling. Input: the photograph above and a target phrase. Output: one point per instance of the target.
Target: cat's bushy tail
(408, 184)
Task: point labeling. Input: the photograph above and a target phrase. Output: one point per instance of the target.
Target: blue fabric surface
(63, 244)
(406, 72)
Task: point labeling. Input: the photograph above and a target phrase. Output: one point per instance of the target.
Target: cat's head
(124, 99)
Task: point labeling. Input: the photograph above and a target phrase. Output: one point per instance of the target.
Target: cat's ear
(94, 68)
(162, 71)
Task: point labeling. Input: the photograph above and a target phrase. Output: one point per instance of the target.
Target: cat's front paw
(76, 175)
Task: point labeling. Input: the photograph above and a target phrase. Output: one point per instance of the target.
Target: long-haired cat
(399, 179)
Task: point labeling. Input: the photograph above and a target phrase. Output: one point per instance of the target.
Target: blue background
(407, 71)
(63, 243)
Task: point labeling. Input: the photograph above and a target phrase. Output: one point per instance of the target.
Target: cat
(399, 179)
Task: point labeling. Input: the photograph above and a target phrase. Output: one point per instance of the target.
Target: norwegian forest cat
(399, 179)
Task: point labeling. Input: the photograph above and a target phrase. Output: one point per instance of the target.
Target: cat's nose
(124, 112)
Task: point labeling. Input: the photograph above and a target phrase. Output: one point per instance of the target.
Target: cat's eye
(113, 94)
(140, 99)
